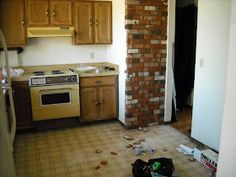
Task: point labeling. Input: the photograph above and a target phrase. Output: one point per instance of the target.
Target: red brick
(151, 58)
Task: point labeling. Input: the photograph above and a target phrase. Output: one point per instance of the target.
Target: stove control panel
(53, 79)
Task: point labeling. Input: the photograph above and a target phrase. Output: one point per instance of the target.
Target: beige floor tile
(71, 152)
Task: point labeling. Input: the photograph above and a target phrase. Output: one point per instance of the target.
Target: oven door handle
(56, 90)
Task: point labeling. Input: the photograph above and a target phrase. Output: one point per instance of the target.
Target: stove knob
(72, 78)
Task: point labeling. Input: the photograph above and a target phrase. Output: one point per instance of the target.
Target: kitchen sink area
(93, 69)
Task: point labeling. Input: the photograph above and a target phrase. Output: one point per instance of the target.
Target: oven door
(53, 102)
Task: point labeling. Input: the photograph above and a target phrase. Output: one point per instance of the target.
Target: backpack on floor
(145, 169)
(141, 169)
(166, 166)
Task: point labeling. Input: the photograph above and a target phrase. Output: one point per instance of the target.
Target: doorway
(184, 64)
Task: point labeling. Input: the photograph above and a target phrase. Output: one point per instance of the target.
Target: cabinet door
(61, 13)
(38, 12)
(88, 104)
(12, 22)
(103, 22)
(21, 96)
(108, 100)
(84, 23)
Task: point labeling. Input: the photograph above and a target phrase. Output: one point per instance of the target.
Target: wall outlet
(91, 55)
(201, 62)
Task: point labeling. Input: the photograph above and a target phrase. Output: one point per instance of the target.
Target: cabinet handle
(54, 13)
(91, 22)
(97, 22)
(47, 12)
(97, 103)
(23, 22)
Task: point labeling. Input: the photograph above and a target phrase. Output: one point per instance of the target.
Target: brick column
(146, 24)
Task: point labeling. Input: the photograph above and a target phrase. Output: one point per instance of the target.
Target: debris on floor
(185, 150)
(98, 151)
(208, 158)
(143, 129)
(114, 153)
(104, 162)
(97, 167)
(129, 146)
(139, 141)
(143, 148)
(191, 159)
(129, 138)
(165, 149)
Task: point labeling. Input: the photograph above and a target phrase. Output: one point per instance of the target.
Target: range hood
(49, 31)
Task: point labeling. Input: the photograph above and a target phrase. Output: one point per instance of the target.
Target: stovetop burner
(57, 72)
(38, 73)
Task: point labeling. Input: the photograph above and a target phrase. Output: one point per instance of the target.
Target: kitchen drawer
(97, 81)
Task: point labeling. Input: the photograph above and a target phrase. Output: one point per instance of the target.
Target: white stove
(54, 94)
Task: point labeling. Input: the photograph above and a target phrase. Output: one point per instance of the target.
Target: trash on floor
(129, 138)
(114, 153)
(104, 162)
(191, 159)
(139, 141)
(143, 148)
(185, 149)
(97, 167)
(207, 157)
(143, 129)
(98, 151)
(165, 149)
(159, 167)
(129, 146)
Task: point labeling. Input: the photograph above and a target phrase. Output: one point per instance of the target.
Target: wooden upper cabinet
(38, 13)
(61, 13)
(49, 13)
(103, 22)
(12, 22)
(84, 23)
(93, 22)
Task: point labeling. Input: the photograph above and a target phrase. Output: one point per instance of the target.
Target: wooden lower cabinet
(22, 103)
(98, 102)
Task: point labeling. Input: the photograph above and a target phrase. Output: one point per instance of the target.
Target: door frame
(169, 85)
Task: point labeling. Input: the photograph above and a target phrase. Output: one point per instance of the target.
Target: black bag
(167, 167)
(141, 169)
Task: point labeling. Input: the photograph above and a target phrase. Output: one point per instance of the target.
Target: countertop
(29, 69)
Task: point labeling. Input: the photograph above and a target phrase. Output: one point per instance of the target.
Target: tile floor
(72, 152)
(184, 121)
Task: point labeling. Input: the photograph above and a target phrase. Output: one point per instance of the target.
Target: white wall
(210, 70)
(117, 53)
(226, 165)
(59, 50)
